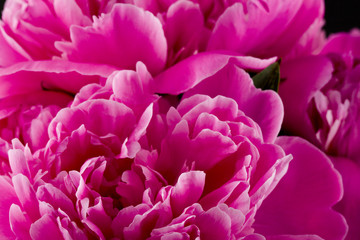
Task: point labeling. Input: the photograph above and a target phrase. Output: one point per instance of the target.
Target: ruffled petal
(121, 38)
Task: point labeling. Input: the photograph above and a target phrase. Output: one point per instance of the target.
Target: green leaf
(269, 78)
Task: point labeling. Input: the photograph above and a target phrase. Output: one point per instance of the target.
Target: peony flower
(196, 166)
(158, 33)
(326, 106)
(94, 39)
(139, 120)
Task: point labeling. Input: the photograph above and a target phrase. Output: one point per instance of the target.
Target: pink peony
(196, 166)
(139, 120)
(158, 33)
(326, 106)
(64, 45)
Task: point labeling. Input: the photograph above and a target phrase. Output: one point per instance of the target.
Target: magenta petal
(184, 29)
(7, 199)
(20, 224)
(264, 107)
(294, 237)
(45, 228)
(214, 224)
(125, 218)
(302, 201)
(56, 198)
(27, 197)
(303, 85)
(187, 190)
(264, 31)
(70, 13)
(221, 147)
(186, 74)
(34, 76)
(254, 237)
(18, 162)
(121, 38)
(349, 206)
(174, 147)
(10, 50)
(343, 43)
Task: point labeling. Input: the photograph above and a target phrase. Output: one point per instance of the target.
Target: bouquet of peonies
(177, 119)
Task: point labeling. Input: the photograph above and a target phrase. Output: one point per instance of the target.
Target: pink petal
(294, 237)
(214, 224)
(349, 206)
(27, 197)
(302, 201)
(34, 76)
(70, 13)
(174, 147)
(264, 107)
(125, 218)
(20, 224)
(7, 199)
(264, 32)
(343, 43)
(302, 84)
(188, 73)
(45, 228)
(188, 189)
(121, 38)
(57, 199)
(18, 162)
(10, 50)
(184, 29)
(221, 147)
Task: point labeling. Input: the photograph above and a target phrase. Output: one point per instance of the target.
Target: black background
(340, 15)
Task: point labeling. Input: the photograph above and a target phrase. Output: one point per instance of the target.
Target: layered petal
(121, 38)
(264, 29)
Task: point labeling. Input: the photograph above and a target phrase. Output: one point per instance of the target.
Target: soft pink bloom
(321, 94)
